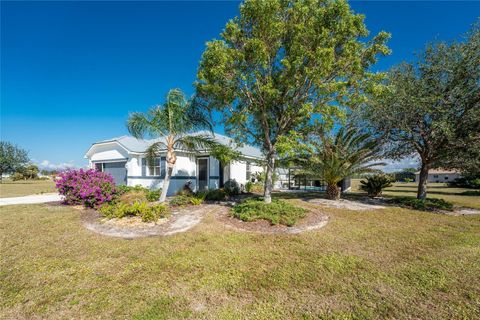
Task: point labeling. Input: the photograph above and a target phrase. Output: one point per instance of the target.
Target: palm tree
(171, 125)
(335, 157)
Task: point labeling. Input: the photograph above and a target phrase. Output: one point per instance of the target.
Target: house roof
(134, 145)
(439, 171)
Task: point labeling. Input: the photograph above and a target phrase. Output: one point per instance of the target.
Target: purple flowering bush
(90, 188)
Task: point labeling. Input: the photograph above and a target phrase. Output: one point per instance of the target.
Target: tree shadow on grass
(428, 191)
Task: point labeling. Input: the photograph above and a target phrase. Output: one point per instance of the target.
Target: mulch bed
(314, 220)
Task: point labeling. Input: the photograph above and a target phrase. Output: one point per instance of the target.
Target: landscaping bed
(251, 216)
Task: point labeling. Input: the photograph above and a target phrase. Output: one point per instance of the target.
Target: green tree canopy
(431, 108)
(281, 62)
(12, 157)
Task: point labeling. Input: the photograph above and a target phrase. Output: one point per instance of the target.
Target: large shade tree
(335, 156)
(12, 157)
(173, 127)
(279, 63)
(431, 108)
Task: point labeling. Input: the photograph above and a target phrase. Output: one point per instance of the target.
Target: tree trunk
(422, 182)
(267, 195)
(166, 182)
(333, 191)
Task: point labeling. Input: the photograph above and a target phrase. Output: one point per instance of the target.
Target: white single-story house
(125, 159)
(440, 175)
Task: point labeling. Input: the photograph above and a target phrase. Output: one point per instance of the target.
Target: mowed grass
(392, 263)
(9, 188)
(434, 190)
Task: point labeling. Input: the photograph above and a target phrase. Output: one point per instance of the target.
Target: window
(435, 175)
(99, 167)
(446, 178)
(155, 169)
(249, 171)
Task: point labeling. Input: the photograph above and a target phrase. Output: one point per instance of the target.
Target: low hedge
(429, 204)
(277, 212)
(147, 212)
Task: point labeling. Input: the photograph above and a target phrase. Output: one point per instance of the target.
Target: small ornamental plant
(90, 188)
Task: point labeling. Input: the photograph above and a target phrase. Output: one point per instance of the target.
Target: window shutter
(163, 170)
(144, 167)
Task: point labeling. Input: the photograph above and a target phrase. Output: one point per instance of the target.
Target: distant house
(440, 175)
(125, 159)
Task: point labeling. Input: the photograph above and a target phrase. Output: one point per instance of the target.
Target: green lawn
(434, 190)
(10, 188)
(392, 263)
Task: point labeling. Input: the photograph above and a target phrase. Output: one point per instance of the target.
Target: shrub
(257, 187)
(179, 201)
(153, 195)
(429, 204)
(249, 186)
(470, 182)
(216, 195)
(231, 187)
(149, 195)
(278, 211)
(124, 189)
(90, 188)
(140, 209)
(375, 184)
(156, 212)
(17, 176)
(133, 196)
(471, 193)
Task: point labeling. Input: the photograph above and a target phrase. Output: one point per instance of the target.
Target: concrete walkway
(37, 198)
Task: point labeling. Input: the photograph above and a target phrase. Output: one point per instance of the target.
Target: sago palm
(335, 157)
(172, 125)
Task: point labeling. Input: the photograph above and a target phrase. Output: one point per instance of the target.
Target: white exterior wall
(185, 168)
(440, 177)
(238, 171)
(109, 152)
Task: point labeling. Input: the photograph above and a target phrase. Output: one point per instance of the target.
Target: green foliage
(17, 176)
(277, 212)
(375, 184)
(334, 157)
(180, 201)
(429, 204)
(171, 124)
(249, 186)
(231, 187)
(153, 195)
(471, 193)
(432, 108)
(12, 157)
(280, 63)
(29, 172)
(138, 192)
(195, 199)
(471, 182)
(216, 195)
(133, 196)
(147, 212)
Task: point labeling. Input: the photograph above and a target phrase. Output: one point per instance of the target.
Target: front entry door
(202, 176)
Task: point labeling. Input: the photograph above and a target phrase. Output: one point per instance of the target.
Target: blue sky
(72, 71)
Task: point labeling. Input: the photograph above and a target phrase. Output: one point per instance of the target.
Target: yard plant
(375, 184)
(276, 212)
(334, 157)
(171, 124)
(431, 108)
(280, 63)
(90, 188)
